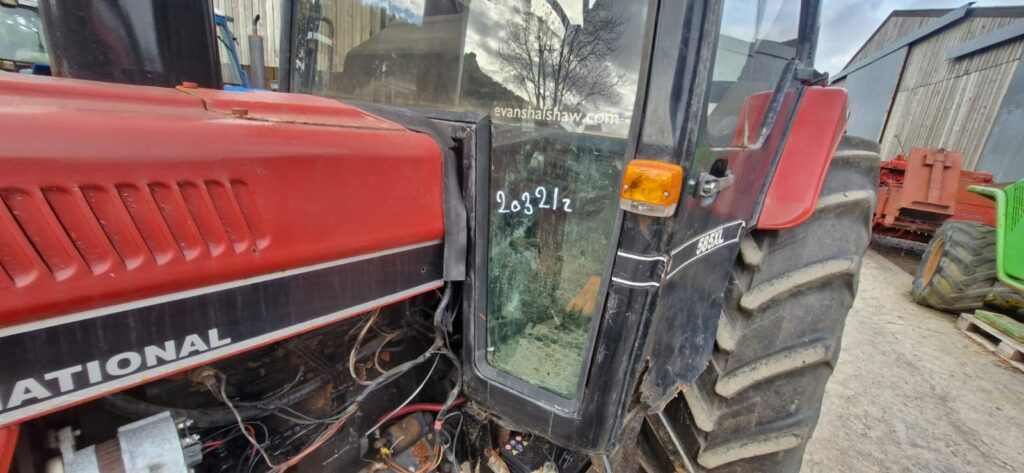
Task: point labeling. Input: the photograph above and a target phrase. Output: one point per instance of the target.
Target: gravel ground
(911, 393)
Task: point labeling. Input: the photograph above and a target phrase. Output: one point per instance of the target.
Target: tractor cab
(553, 100)
(23, 45)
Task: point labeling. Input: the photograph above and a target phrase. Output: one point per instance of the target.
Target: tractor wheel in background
(756, 405)
(958, 270)
(1006, 300)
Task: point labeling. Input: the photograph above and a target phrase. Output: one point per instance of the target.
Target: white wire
(455, 437)
(355, 348)
(241, 425)
(409, 399)
(452, 441)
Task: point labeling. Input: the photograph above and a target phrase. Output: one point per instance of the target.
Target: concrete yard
(912, 393)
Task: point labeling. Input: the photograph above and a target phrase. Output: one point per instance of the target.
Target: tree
(567, 70)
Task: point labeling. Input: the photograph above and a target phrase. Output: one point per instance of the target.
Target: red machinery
(94, 218)
(916, 195)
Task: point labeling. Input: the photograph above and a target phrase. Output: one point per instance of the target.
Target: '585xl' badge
(705, 243)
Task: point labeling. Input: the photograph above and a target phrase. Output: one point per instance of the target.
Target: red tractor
(562, 236)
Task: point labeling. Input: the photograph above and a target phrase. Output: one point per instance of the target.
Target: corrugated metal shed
(938, 102)
(243, 12)
(354, 22)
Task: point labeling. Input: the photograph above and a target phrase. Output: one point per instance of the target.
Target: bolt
(664, 194)
(707, 188)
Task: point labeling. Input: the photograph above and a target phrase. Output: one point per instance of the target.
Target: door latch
(708, 184)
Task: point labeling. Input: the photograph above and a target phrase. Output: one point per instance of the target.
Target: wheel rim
(933, 262)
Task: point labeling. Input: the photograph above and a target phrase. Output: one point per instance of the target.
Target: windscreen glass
(230, 70)
(559, 80)
(21, 36)
(757, 39)
(871, 90)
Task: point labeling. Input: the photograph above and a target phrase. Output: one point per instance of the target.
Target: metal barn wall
(243, 11)
(354, 22)
(939, 102)
(895, 28)
(951, 104)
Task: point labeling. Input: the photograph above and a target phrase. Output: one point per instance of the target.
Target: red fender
(8, 440)
(819, 123)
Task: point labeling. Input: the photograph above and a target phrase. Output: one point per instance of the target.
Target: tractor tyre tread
(966, 271)
(756, 405)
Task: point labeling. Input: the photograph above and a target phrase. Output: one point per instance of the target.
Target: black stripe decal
(52, 366)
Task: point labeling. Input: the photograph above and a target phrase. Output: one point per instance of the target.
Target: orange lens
(651, 187)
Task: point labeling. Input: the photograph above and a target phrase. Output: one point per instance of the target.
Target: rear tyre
(958, 270)
(756, 405)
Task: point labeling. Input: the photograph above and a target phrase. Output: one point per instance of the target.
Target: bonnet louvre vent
(61, 232)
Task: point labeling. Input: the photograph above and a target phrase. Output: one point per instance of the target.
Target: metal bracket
(810, 76)
(709, 184)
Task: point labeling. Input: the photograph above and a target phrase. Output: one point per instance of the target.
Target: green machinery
(969, 265)
(977, 270)
(1009, 232)
(1009, 258)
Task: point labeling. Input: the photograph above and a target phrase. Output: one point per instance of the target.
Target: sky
(847, 24)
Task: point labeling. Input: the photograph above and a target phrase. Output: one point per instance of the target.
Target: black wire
(441, 342)
(133, 408)
(299, 347)
(391, 375)
(441, 306)
(454, 394)
(271, 399)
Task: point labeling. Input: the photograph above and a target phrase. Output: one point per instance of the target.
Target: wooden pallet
(998, 342)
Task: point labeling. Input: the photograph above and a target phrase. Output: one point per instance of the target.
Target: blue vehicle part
(232, 73)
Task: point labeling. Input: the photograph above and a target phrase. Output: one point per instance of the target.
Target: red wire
(418, 408)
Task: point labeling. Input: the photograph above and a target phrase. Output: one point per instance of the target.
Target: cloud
(847, 24)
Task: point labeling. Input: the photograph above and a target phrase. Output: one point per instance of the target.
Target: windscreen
(559, 80)
(757, 39)
(21, 36)
(230, 70)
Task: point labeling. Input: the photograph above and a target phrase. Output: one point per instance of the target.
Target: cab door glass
(559, 80)
(230, 70)
(556, 162)
(757, 39)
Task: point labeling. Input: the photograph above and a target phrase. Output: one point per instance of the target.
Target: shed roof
(905, 27)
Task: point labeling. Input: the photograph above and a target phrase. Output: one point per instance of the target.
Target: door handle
(709, 184)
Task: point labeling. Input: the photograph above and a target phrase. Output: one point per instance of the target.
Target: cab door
(727, 136)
